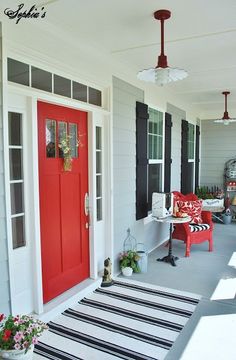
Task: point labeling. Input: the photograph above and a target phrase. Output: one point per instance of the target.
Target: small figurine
(107, 279)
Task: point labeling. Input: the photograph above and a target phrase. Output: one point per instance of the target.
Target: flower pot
(67, 164)
(17, 354)
(127, 271)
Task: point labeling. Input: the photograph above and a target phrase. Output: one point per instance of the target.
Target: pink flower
(1, 317)
(19, 336)
(34, 340)
(17, 346)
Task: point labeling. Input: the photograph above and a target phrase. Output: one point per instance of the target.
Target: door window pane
(98, 162)
(62, 86)
(99, 209)
(17, 72)
(18, 231)
(15, 158)
(99, 185)
(98, 138)
(14, 129)
(17, 198)
(62, 133)
(73, 136)
(50, 138)
(41, 79)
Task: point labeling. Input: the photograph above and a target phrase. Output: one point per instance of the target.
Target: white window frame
(157, 161)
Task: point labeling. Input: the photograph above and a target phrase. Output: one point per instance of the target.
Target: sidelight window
(99, 172)
(16, 179)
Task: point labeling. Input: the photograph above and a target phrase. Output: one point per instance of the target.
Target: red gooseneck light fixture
(226, 120)
(162, 74)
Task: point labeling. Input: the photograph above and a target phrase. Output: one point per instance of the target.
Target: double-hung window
(155, 153)
(191, 142)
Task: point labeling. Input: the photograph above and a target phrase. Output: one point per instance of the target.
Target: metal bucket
(143, 261)
(226, 219)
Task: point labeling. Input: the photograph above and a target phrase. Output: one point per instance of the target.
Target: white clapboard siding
(217, 147)
(4, 278)
(124, 171)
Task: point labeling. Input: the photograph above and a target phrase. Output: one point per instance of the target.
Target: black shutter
(168, 160)
(141, 160)
(184, 157)
(197, 157)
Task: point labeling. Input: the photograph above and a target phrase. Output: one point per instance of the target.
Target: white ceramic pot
(17, 354)
(127, 271)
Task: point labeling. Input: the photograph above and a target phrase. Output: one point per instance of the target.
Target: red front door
(64, 224)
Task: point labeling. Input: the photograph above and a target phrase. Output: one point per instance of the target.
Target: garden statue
(107, 279)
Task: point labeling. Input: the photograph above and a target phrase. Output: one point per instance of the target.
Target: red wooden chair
(193, 233)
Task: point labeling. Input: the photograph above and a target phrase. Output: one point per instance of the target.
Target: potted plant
(18, 335)
(129, 262)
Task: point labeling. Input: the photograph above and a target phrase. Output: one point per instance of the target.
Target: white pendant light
(226, 120)
(162, 74)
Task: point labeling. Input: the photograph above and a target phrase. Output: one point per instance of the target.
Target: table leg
(170, 258)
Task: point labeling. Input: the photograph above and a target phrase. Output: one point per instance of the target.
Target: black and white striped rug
(129, 320)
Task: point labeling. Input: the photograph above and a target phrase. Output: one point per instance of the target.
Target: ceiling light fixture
(225, 119)
(162, 74)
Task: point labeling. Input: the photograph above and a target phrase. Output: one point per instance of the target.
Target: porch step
(70, 297)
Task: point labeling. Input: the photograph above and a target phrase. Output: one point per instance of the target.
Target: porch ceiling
(200, 38)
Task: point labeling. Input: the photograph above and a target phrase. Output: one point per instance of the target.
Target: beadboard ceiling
(200, 38)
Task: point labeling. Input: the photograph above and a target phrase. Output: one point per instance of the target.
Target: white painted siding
(4, 278)
(124, 171)
(218, 145)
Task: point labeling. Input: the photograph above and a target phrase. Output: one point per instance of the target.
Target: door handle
(86, 204)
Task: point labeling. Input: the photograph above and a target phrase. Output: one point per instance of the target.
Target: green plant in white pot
(129, 260)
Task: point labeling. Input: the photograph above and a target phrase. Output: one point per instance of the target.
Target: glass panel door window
(58, 132)
(155, 153)
(15, 149)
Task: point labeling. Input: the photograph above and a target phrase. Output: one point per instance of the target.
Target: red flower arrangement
(19, 332)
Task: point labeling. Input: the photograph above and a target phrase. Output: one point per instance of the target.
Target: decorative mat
(129, 320)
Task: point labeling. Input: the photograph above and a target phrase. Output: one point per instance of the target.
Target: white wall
(4, 277)
(124, 166)
(218, 145)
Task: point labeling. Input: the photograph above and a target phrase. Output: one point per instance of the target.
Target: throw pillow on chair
(199, 229)
(192, 208)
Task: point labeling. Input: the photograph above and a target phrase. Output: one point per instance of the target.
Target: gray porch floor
(200, 274)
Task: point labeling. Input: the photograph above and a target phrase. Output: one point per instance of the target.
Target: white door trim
(93, 115)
